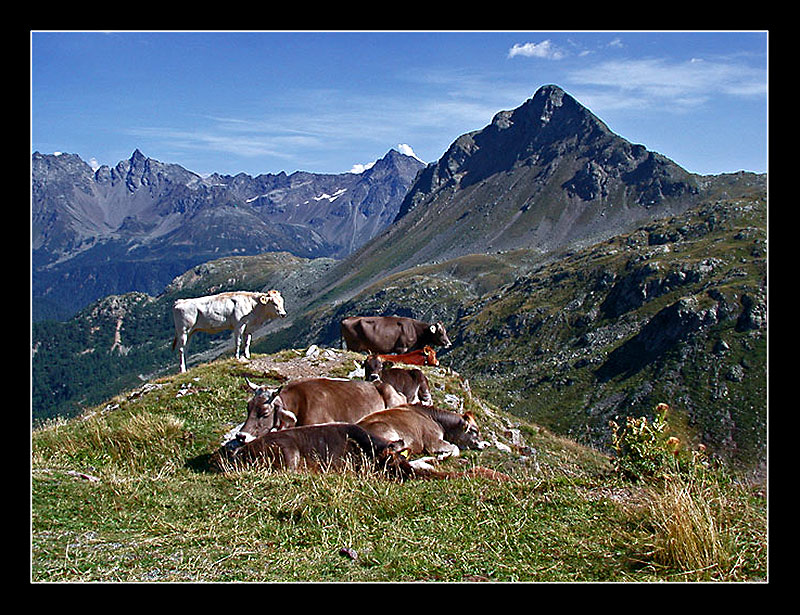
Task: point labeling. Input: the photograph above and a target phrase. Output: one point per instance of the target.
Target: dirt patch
(312, 362)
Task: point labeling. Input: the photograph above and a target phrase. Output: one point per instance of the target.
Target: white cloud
(545, 50)
(677, 85)
(405, 148)
(360, 168)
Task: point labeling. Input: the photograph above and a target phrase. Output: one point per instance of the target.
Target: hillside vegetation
(674, 312)
(123, 340)
(124, 492)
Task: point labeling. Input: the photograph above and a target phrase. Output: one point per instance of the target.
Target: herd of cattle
(334, 423)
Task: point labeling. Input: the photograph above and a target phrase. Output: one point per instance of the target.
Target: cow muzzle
(244, 437)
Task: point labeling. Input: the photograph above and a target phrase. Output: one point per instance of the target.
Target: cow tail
(174, 342)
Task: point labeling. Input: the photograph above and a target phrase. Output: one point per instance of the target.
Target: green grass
(157, 513)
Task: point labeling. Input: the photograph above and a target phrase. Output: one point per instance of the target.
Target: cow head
(439, 335)
(273, 302)
(430, 356)
(373, 365)
(466, 435)
(392, 460)
(265, 412)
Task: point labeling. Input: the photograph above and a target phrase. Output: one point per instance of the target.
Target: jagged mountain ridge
(92, 230)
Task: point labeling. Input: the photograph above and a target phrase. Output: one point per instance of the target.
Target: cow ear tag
(433, 328)
(404, 453)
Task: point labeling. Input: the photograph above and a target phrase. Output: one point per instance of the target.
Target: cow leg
(181, 339)
(444, 449)
(237, 340)
(424, 394)
(423, 463)
(247, 337)
(290, 459)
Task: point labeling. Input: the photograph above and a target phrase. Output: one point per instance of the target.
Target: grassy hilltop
(124, 492)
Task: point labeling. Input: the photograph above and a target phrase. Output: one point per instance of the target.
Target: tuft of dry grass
(130, 441)
(702, 528)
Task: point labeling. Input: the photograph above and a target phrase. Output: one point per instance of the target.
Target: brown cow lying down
(311, 401)
(334, 447)
(410, 382)
(425, 429)
(423, 356)
(314, 448)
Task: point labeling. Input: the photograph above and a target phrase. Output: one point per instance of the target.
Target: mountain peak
(137, 157)
(546, 173)
(550, 98)
(558, 115)
(537, 132)
(551, 94)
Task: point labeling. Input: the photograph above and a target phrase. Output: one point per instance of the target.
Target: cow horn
(253, 387)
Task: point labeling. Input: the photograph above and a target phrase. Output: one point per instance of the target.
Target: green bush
(645, 450)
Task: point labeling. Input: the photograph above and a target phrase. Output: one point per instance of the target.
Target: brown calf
(423, 356)
(313, 448)
(410, 382)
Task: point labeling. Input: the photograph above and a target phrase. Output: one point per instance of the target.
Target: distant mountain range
(136, 226)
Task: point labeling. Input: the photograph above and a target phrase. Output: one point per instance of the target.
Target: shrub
(643, 450)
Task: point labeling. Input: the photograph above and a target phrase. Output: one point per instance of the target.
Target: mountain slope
(125, 493)
(673, 312)
(119, 340)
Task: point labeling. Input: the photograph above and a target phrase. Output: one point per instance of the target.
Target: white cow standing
(242, 311)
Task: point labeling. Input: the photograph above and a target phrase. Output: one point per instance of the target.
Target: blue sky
(327, 102)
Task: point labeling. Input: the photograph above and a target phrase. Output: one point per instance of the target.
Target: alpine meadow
(608, 317)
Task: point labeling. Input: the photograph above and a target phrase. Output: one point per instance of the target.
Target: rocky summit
(544, 176)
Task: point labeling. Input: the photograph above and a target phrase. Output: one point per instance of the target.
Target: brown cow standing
(425, 429)
(391, 334)
(310, 401)
(410, 382)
